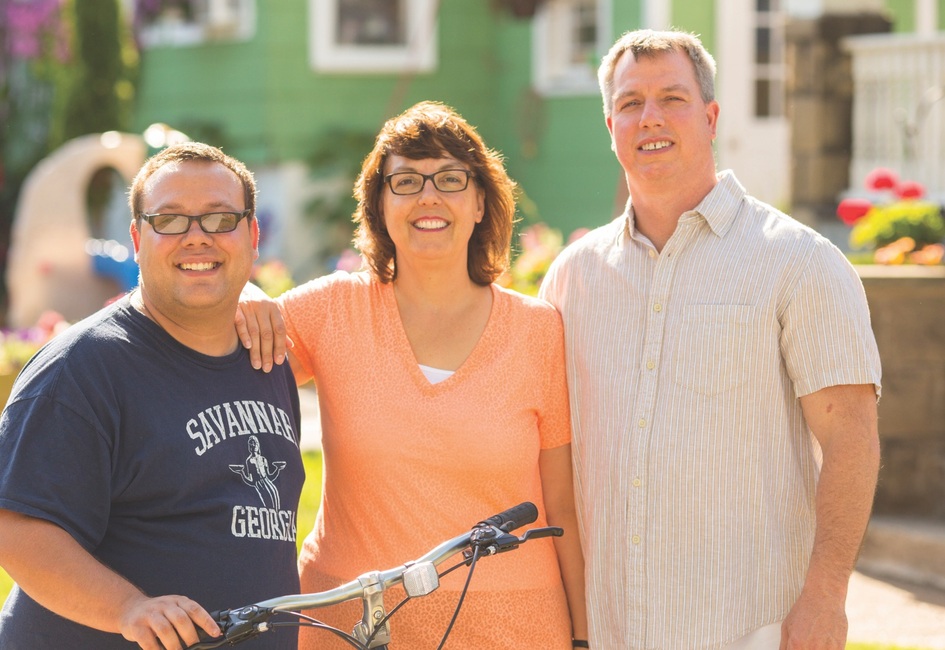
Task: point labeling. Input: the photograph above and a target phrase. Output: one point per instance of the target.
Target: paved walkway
(895, 613)
(879, 610)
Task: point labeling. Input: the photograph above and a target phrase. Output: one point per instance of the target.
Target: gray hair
(644, 43)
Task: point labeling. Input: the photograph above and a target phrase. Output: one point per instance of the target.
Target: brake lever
(237, 625)
(492, 541)
(538, 533)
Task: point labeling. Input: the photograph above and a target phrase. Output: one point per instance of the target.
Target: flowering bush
(540, 246)
(19, 345)
(907, 229)
(349, 260)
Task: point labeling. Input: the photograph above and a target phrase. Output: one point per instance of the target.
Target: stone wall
(907, 305)
(820, 108)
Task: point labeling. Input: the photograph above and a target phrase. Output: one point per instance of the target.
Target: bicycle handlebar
(419, 578)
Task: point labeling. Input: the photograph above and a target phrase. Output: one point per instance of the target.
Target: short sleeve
(57, 467)
(555, 417)
(318, 312)
(827, 338)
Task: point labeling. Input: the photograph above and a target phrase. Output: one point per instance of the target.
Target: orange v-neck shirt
(409, 464)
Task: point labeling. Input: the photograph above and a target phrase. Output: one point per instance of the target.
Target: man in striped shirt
(724, 379)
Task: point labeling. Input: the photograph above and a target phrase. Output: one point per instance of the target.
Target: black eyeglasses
(447, 180)
(211, 223)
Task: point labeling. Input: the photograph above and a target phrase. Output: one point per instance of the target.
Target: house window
(373, 35)
(569, 39)
(769, 64)
(192, 22)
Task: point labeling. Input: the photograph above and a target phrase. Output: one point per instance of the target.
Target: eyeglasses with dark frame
(445, 180)
(211, 223)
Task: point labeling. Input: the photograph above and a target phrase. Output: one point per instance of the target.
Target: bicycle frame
(419, 578)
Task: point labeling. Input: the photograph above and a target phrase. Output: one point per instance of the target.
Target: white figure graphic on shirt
(255, 472)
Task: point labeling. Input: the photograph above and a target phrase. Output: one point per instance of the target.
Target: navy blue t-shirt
(178, 470)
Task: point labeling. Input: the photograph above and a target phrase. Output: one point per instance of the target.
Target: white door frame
(757, 149)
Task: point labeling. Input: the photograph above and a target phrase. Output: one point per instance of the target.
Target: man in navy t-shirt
(148, 474)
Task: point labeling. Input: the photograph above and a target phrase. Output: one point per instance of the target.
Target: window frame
(230, 23)
(418, 54)
(773, 71)
(552, 72)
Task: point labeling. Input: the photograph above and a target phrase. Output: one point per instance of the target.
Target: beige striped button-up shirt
(695, 471)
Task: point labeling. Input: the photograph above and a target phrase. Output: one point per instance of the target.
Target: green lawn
(308, 506)
(879, 646)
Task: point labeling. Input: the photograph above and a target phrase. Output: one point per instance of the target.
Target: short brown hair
(644, 43)
(191, 151)
(434, 130)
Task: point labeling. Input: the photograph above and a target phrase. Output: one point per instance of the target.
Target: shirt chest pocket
(714, 348)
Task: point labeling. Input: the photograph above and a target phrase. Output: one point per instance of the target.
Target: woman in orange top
(443, 398)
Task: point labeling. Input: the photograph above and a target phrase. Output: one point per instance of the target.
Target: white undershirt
(764, 638)
(435, 375)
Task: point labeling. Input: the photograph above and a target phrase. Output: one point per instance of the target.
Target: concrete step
(907, 549)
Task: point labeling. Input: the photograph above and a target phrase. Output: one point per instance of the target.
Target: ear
(480, 205)
(609, 120)
(254, 232)
(712, 115)
(135, 237)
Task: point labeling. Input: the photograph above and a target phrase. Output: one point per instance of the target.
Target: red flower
(910, 190)
(852, 210)
(881, 178)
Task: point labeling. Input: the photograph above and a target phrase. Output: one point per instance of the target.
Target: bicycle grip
(508, 520)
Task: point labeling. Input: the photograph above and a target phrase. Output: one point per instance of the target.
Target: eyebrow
(175, 208)
(449, 164)
(673, 88)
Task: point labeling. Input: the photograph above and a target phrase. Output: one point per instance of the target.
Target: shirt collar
(719, 207)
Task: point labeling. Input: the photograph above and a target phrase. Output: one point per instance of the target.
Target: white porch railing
(899, 107)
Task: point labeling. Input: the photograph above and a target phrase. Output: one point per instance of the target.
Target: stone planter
(907, 306)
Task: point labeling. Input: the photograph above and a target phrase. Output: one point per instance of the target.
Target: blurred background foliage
(67, 68)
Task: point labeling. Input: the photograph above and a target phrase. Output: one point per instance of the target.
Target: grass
(879, 646)
(308, 507)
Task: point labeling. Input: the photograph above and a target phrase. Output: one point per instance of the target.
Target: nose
(428, 191)
(195, 234)
(651, 115)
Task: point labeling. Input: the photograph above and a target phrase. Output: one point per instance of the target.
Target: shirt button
(642, 423)
(635, 539)
(657, 307)
(637, 482)
(652, 254)
(650, 365)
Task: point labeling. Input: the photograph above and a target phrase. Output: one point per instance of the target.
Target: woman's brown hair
(433, 130)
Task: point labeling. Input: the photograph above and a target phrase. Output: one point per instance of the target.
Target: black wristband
(579, 643)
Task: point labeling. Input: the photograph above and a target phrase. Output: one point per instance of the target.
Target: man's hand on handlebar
(165, 623)
(419, 577)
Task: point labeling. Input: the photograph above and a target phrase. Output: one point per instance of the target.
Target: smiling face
(430, 225)
(661, 129)
(188, 276)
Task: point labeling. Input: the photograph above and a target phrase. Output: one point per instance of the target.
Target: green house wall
(262, 100)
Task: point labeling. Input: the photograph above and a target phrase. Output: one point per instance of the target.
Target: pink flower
(881, 178)
(910, 190)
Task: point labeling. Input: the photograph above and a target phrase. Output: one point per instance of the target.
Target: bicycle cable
(462, 596)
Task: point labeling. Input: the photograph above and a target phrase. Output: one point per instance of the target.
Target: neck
(209, 332)
(657, 207)
(435, 290)
(435, 283)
